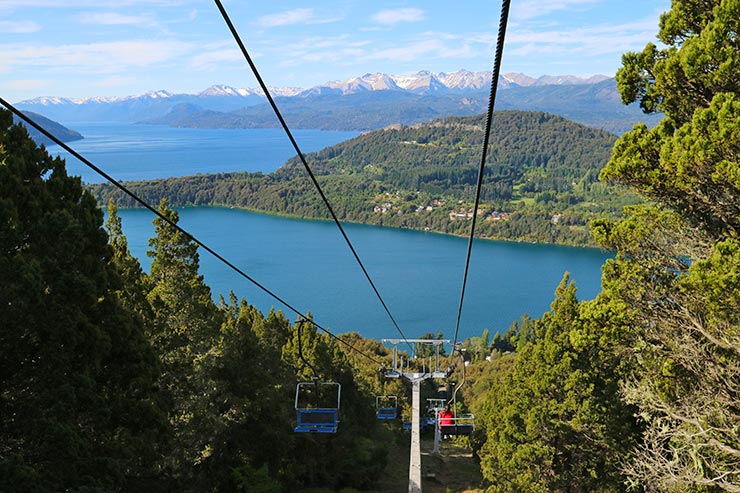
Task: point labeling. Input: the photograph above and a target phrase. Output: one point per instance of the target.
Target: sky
(88, 48)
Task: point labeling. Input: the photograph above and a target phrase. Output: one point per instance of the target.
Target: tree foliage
(676, 262)
(76, 371)
(553, 418)
(124, 380)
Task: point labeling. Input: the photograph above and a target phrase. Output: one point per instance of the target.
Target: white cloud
(287, 18)
(213, 58)
(390, 17)
(115, 19)
(26, 84)
(315, 50)
(117, 81)
(296, 16)
(584, 41)
(19, 27)
(427, 49)
(68, 4)
(93, 58)
(530, 9)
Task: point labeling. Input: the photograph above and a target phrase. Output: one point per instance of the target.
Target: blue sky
(79, 48)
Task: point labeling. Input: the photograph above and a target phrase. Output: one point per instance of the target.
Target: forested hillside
(637, 390)
(114, 379)
(541, 181)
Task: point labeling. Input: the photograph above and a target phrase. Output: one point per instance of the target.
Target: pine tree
(554, 421)
(676, 260)
(183, 331)
(75, 369)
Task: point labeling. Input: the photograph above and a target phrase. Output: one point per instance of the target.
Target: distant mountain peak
(550, 80)
(161, 94)
(219, 90)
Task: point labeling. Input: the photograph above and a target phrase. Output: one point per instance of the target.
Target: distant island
(541, 182)
(55, 128)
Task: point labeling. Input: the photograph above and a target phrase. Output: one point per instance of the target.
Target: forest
(115, 379)
(540, 185)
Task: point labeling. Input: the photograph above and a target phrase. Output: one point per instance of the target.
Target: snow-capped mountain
(219, 90)
(222, 90)
(365, 83)
(464, 80)
(423, 82)
(226, 98)
(552, 80)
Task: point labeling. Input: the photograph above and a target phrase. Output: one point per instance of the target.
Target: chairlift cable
(144, 204)
(489, 120)
(298, 151)
(299, 326)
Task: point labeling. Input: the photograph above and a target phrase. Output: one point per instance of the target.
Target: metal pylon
(415, 378)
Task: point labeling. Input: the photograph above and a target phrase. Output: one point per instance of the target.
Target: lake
(128, 151)
(308, 264)
(418, 274)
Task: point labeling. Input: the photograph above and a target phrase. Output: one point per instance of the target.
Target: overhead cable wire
(171, 223)
(489, 121)
(298, 151)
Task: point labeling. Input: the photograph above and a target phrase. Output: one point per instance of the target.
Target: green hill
(541, 179)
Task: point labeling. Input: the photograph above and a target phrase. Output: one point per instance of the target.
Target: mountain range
(360, 103)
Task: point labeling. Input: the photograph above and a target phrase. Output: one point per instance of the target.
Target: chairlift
(433, 408)
(317, 411)
(316, 402)
(386, 406)
(406, 422)
(462, 425)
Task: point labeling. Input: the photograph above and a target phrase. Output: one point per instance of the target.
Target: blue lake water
(308, 264)
(418, 274)
(128, 151)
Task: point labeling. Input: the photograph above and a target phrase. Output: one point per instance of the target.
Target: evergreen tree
(135, 281)
(252, 400)
(76, 371)
(185, 325)
(677, 260)
(554, 421)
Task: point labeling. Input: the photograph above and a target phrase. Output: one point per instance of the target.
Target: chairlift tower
(415, 378)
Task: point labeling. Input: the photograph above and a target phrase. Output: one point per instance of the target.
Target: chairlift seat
(322, 418)
(406, 422)
(387, 413)
(460, 426)
(317, 421)
(386, 406)
(457, 430)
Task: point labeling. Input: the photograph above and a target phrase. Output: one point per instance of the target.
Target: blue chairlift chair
(386, 406)
(316, 413)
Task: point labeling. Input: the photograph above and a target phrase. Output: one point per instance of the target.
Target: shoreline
(441, 233)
